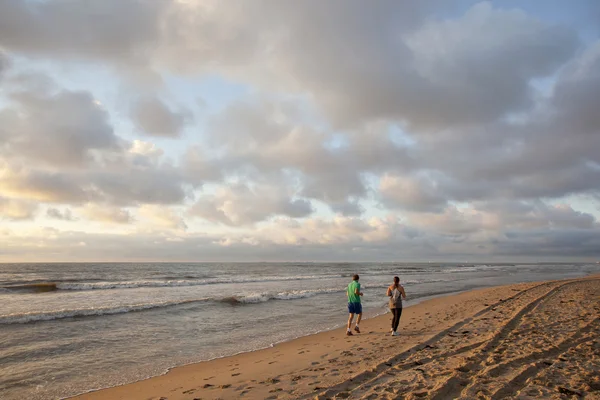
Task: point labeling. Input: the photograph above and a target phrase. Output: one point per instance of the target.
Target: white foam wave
(182, 282)
(86, 312)
(290, 295)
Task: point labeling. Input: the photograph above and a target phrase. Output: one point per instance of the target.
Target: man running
(354, 306)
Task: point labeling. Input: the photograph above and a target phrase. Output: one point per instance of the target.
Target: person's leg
(358, 317)
(350, 318)
(394, 319)
(397, 315)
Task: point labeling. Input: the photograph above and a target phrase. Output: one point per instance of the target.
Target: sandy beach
(531, 340)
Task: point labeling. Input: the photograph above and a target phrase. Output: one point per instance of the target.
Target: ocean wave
(263, 297)
(38, 287)
(87, 312)
(250, 298)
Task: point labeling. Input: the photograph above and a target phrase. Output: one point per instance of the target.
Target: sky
(280, 130)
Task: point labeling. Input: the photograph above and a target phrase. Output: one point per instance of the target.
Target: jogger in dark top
(396, 293)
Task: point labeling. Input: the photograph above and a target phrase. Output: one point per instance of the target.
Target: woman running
(396, 293)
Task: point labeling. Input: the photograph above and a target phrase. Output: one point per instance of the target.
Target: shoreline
(309, 365)
(377, 315)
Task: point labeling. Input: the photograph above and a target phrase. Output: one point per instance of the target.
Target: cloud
(496, 217)
(261, 140)
(239, 204)
(4, 63)
(60, 129)
(17, 210)
(161, 217)
(118, 30)
(472, 124)
(478, 67)
(112, 215)
(412, 193)
(41, 186)
(154, 118)
(65, 215)
(444, 73)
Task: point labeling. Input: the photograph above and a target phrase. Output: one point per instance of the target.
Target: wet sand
(526, 341)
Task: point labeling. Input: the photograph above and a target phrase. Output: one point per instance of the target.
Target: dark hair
(355, 277)
(396, 280)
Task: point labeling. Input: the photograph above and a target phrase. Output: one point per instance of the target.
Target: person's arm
(389, 291)
(402, 292)
(357, 291)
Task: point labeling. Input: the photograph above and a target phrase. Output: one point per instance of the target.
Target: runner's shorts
(355, 308)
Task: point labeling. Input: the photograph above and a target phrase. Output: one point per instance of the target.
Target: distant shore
(532, 339)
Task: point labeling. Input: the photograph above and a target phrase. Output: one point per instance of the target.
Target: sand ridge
(534, 340)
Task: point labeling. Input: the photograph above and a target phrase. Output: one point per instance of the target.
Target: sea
(70, 328)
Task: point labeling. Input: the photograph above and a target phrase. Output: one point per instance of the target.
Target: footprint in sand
(236, 374)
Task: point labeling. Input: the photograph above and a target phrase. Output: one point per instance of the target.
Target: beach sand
(525, 341)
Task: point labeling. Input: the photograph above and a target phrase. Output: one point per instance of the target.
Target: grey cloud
(446, 73)
(577, 94)
(532, 245)
(416, 193)
(120, 179)
(59, 130)
(460, 88)
(472, 69)
(239, 204)
(481, 63)
(157, 185)
(199, 168)
(483, 219)
(65, 215)
(154, 118)
(553, 153)
(537, 214)
(569, 243)
(266, 139)
(42, 186)
(118, 30)
(4, 63)
(348, 208)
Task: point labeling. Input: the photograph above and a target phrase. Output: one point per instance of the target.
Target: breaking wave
(251, 298)
(40, 287)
